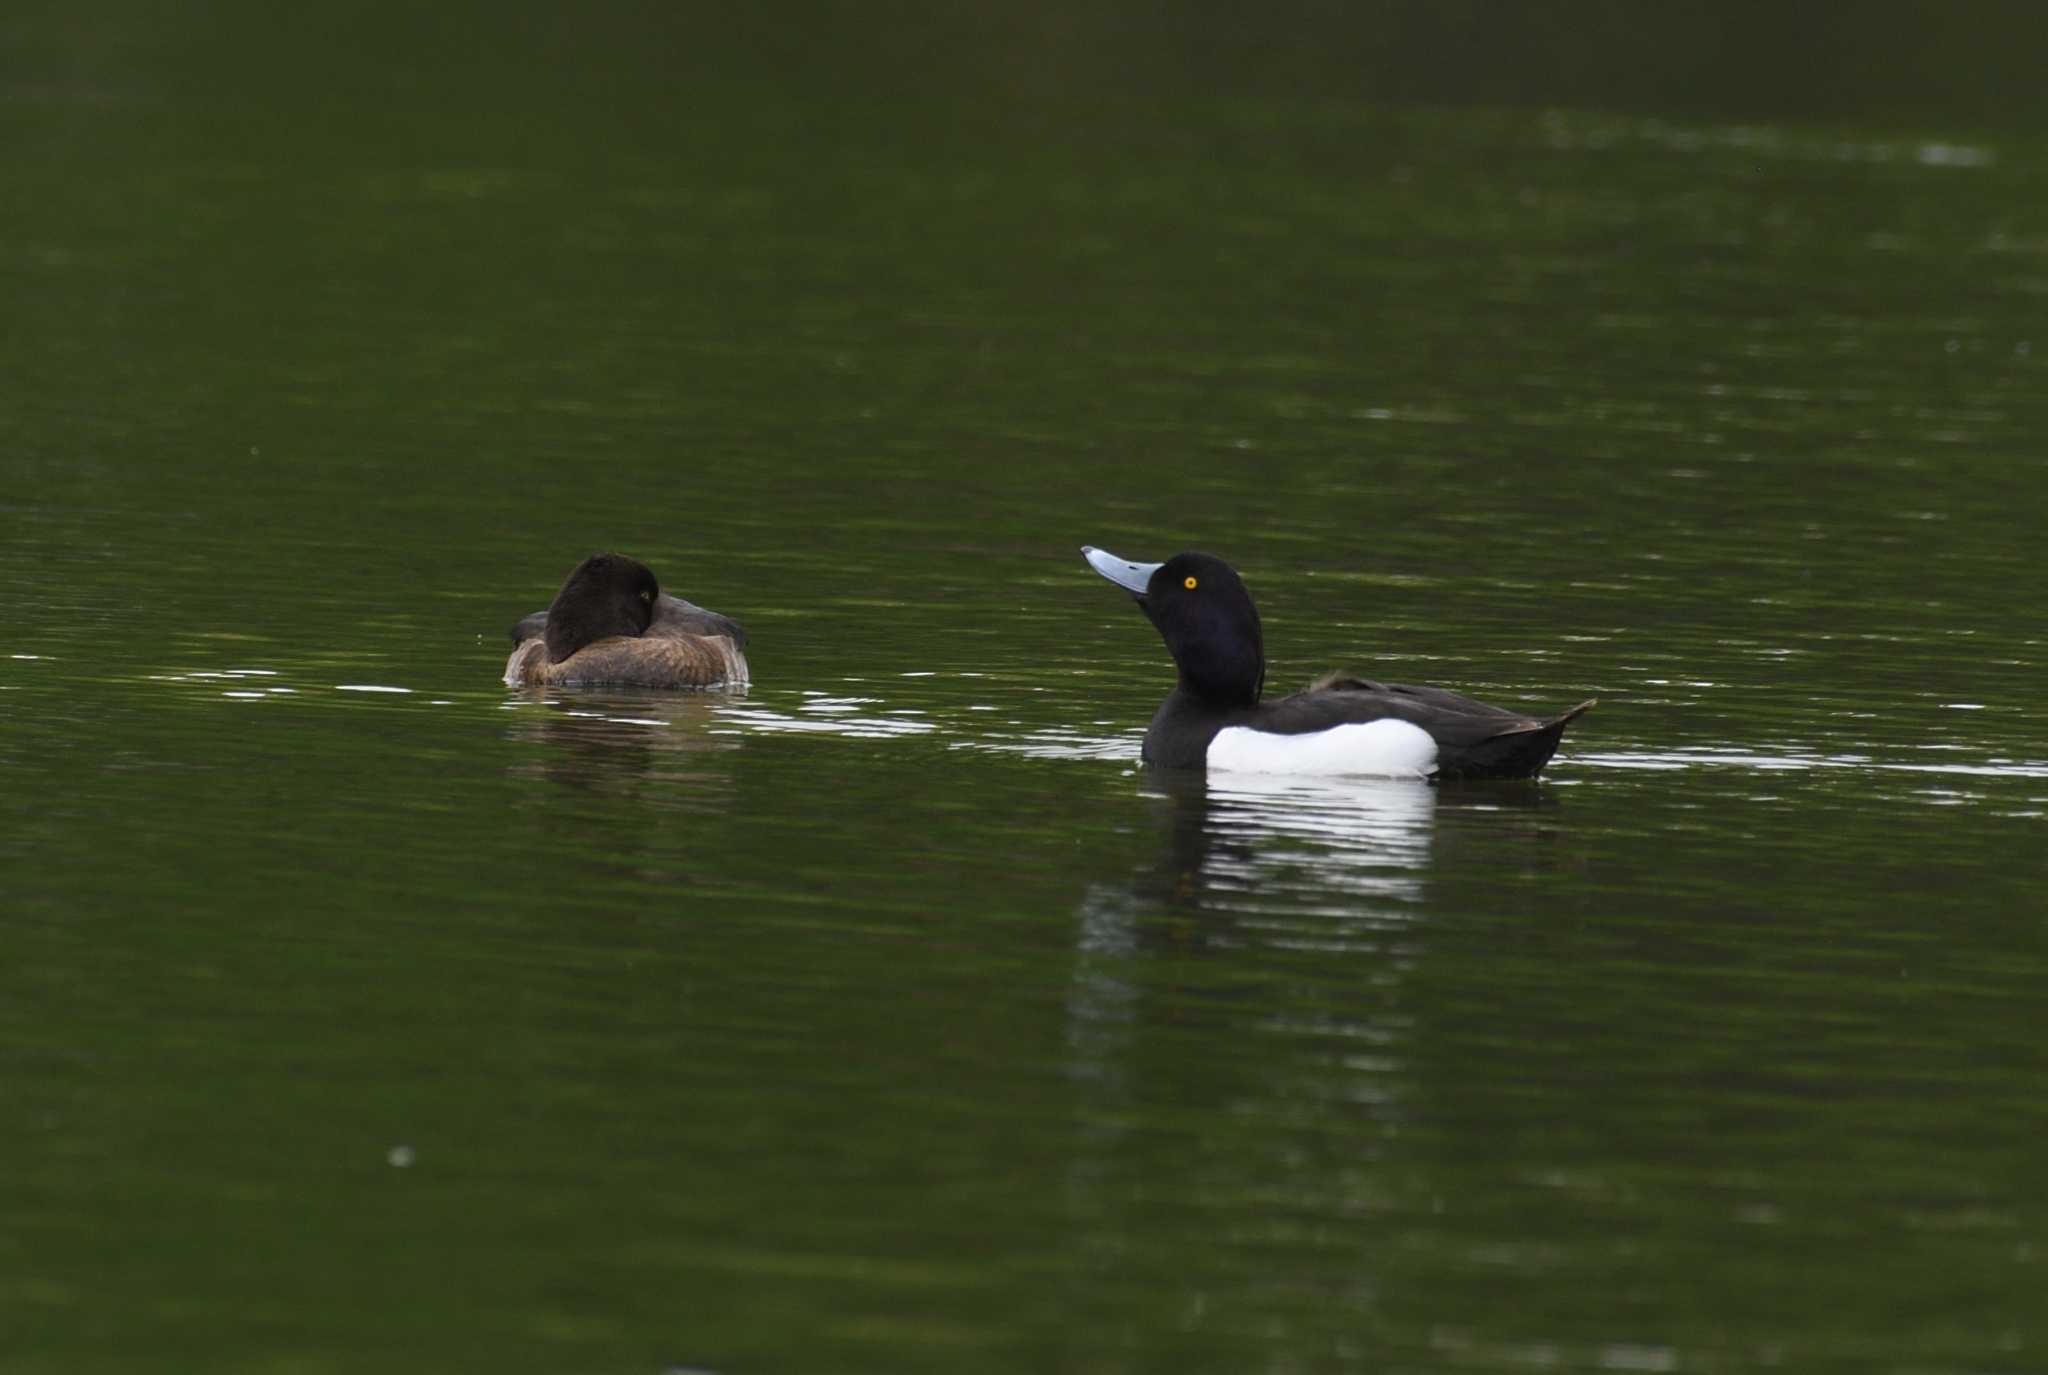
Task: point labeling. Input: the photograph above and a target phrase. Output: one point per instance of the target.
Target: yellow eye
(1188, 583)
(645, 595)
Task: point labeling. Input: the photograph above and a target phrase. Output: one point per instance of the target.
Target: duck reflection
(1250, 864)
(1343, 847)
(1243, 852)
(624, 740)
(1275, 863)
(1248, 999)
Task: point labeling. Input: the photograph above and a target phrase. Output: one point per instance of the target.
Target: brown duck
(611, 625)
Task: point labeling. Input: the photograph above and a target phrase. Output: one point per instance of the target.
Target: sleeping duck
(1339, 725)
(612, 625)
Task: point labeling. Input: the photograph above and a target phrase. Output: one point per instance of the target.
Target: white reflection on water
(1281, 806)
(1796, 759)
(239, 686)
(1058, 744)
(1342, 838)
(819, 713)
(729, 713)
(1598, 133)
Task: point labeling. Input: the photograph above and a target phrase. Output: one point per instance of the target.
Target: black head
(1202, 611)
(608, 594)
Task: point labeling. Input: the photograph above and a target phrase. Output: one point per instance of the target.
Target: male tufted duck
(1337, 725)
(612, 625)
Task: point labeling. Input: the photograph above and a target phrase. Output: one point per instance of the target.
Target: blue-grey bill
(1133, 578)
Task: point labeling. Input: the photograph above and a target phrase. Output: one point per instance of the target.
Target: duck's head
(1202, 611)
(608, 594)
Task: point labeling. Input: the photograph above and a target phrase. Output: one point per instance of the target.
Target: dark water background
(357, 1014)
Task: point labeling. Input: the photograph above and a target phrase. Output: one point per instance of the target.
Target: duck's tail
(1565, 719)
(1542, 739)
(1554, 726)
(1520, 750)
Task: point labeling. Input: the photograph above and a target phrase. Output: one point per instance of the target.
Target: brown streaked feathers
(611, 626)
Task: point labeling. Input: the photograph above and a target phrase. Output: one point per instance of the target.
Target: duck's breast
(661, 661)
(527, 664)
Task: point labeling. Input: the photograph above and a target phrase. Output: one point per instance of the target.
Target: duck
(1340, 724)
(611, 625)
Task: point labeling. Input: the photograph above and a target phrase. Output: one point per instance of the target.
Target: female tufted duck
(1337, 725)
(612, 625)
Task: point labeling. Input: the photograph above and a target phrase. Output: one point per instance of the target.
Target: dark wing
(529, 627)
(674, 616)
(1474, 739)
(1452, 719)
(1437, 699)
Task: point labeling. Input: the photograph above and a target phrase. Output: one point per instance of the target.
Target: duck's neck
(1235, 688)
(1185, 723)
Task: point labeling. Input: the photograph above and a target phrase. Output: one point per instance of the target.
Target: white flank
(1386, 748)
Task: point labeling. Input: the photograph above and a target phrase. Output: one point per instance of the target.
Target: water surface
(361, 1014)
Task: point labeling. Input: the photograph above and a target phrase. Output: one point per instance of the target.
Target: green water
(359, 1014)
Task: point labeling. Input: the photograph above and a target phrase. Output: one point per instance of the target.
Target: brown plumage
(663, 661)
(609, 626)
